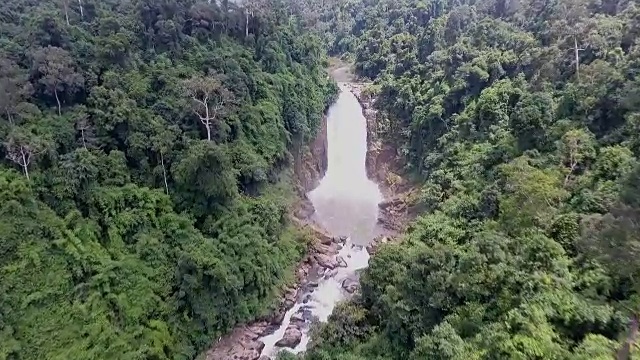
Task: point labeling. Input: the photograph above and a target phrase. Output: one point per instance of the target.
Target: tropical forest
(147, 175)
(144, 176)
(519, 122)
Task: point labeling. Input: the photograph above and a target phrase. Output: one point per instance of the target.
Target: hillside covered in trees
(144, 173)
(520, 119)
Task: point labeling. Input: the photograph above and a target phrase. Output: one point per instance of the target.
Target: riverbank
(243, 343)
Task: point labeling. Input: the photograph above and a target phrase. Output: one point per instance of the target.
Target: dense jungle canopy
(520, 121)
(144, 180)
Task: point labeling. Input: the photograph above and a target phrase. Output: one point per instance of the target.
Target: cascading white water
(346, 203)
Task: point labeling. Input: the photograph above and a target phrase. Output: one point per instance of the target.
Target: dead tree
(87, 132)
(21, 153)
(210, 99)
(65, 6)
(577, 54)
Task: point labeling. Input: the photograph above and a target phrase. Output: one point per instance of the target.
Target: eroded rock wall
(385, 167)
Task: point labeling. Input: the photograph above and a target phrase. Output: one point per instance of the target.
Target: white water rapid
(346, 203)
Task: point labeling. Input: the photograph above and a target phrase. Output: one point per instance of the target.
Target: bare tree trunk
(207, 122)
(66, 10)
(81, 9)
(25, 164)
(164, 174)
(9, 117)
(208, 126)
(84, 143)
(55, 91)
(577, 51)
(246, 24)
(572, 168)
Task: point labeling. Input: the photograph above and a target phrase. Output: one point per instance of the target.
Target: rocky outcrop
(351, 284)
(374, 245)
(396, 212)
(382, 162)
(291, 338)
(241, 344)
(384, 166)
(311, 161)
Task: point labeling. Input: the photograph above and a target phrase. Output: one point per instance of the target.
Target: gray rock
(350, 285)
(278, 318)
(341, 262)
(330, 274)
(292, 337)
(326, 261)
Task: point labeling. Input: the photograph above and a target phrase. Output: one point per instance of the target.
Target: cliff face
(385, 167)
(310, 164)
(382, 162)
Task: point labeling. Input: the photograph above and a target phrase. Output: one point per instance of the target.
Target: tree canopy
(128, 228)
(519, 118)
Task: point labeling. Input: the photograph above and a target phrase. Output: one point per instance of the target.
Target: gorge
(346, 205)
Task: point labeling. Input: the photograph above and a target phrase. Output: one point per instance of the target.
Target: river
(346, 203)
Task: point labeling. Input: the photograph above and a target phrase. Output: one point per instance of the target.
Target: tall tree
(14, 88)
(162, 143)
(210, 99)
(57, 72)
(21, 148)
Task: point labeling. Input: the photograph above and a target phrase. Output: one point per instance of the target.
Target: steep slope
(145, 179)
(520, 118)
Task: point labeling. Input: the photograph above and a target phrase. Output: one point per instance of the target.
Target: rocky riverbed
(322, 261)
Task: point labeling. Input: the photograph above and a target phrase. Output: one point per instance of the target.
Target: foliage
(124, 233)
(519, 118)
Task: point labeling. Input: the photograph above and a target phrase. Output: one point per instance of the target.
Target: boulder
(330, 274)
(278, 318)
(247, 351)
(326, 261)
(306, 299)
(291, 338)
(320, 235)
(246, 354)
(341, 262)
(325, 249)
(292, 292)
(350, 285)
(297, 318)
(372, 247)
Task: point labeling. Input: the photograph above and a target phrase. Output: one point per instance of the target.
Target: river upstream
(346, 204)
